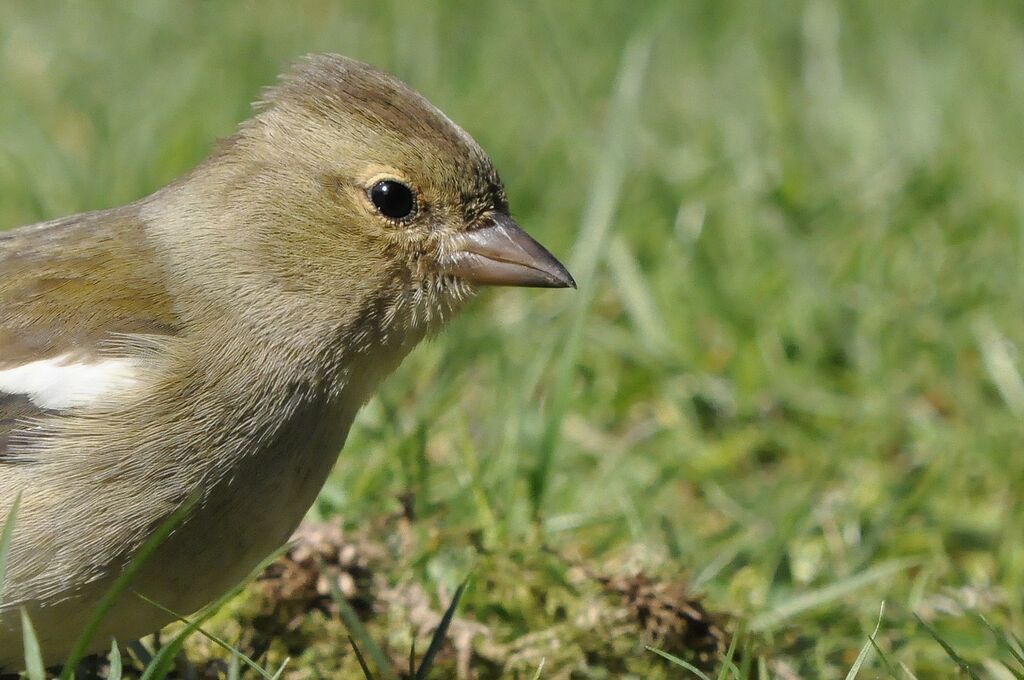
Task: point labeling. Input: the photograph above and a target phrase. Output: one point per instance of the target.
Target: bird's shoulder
(76, 294)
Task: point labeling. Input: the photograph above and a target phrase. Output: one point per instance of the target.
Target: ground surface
(790, 380)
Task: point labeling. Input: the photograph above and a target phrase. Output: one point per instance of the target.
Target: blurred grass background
(792, 369)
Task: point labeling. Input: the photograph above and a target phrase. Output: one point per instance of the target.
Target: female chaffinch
(215, 339)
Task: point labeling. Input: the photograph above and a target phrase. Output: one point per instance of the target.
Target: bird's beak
(502, 254)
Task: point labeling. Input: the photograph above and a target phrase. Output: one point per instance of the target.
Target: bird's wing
(71, 291)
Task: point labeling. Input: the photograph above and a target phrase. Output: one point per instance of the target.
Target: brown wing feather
(69, 286)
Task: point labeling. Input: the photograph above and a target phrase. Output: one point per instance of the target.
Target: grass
(792, 370)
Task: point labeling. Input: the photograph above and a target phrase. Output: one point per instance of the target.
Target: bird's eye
(393, 199)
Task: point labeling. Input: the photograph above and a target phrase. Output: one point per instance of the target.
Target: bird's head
(358, 191)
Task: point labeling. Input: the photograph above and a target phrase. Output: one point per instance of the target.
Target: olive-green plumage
(233, 323)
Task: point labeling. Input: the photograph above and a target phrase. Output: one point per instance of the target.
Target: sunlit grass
(793, 365)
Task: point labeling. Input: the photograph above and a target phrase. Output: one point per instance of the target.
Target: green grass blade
(762, 669)
(678, 662)
(114, 659)
(1000, 364)
(637, 297)
(1016, 640)
(869, 645)
(590, 249)
(540, 667)
(442, 630)
(210, 636)
(862, 657)
(34, 667)
(121, 584)
(280, 671)
(5, 538)
(355, 627)
(891, 670)
(234, 668)
(746, 669)
(906, 671)
(163, 661)
(727, 665)
(1005, 643)
(362, 662)
(829, 593)
(948, 648)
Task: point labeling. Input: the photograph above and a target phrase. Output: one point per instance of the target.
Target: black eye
(393, 199)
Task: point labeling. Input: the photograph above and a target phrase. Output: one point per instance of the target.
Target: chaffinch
(215, 339)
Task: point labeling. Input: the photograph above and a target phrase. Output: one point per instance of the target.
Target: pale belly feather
(227, 536)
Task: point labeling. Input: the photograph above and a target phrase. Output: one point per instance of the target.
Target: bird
(205, 349)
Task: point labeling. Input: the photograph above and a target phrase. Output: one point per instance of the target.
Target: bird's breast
(252, 509)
